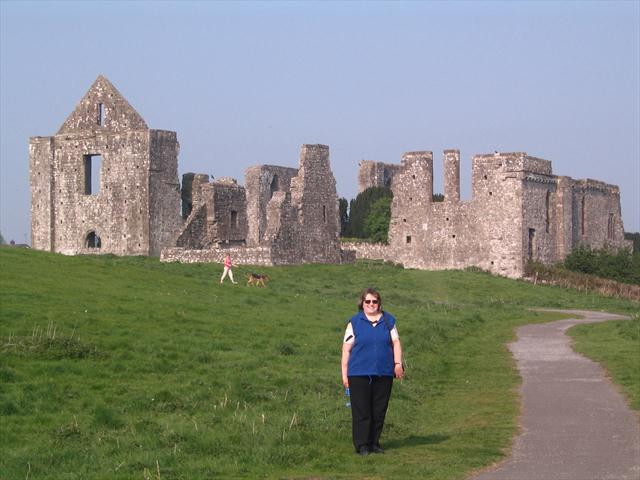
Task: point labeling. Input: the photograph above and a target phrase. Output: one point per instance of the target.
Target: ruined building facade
(106, 182)
(281, 216)
(518, 211)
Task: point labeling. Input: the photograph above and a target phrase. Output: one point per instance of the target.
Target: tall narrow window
(611, 226)
(101, 114)
(234, 219)
(275, 185)
(92, 169)
(324, 213)
(583, 215)
(547, 207)
(532, 243)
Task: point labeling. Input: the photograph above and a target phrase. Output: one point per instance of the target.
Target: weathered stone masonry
(133, 209)
(282, 216)
(519, 211)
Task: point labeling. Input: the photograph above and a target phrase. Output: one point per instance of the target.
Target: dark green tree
(343, 207)
(376, 225)
(437, 197)
(2, 242)
(360, 207)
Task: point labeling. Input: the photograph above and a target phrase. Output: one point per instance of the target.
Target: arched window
(92, 240)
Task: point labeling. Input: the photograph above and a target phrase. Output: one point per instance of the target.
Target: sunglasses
(375, 302)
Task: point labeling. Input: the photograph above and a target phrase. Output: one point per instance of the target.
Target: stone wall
(239, 255)
(376, 174)
(370, 251)
(261, 183)
(218, 212)
(597, 218)
(41, 160)
(292, 214)
(519, 211)
(164, 190)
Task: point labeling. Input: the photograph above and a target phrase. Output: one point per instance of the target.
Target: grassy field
(127, 368)
(612, 344)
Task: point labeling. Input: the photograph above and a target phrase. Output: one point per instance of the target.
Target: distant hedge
(620, 266)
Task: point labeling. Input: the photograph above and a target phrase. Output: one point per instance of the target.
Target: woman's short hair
(370, 291)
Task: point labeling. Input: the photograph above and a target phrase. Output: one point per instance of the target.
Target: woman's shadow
(415, 440)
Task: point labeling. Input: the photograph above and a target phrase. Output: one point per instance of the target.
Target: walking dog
(257, 279)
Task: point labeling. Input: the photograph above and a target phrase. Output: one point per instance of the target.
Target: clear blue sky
(246, 83)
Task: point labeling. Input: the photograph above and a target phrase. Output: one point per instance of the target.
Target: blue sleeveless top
(372, 351)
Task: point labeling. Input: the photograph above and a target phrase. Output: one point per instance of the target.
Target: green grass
(129, 368)
(615, 345)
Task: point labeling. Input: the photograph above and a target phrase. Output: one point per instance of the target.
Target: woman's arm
(398, 369)
(346, 353)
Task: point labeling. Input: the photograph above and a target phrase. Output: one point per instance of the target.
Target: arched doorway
(93, 240)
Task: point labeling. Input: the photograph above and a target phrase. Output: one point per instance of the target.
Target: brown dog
(257, 279)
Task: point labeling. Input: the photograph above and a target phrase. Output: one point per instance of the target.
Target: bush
(620, 266)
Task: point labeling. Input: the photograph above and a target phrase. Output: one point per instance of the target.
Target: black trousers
(369, 401)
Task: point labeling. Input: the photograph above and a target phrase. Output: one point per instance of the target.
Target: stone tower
(105, 183)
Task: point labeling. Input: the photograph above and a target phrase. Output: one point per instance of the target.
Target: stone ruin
(519, 211)
(106, 183)
(282, 216)
(376, 174)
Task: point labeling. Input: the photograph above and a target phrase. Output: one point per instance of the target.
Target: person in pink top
(227, 269)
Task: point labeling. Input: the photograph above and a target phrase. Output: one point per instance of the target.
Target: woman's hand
(345, 381)
(398, 370)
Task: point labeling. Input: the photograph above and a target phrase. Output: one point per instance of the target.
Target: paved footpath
(575, 425)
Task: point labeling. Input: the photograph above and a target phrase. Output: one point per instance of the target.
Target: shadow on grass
(415, 440)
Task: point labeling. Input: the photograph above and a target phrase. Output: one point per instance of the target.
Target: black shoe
(377, 449)
(363, 451)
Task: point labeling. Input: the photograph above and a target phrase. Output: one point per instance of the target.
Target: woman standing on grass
(371, 357)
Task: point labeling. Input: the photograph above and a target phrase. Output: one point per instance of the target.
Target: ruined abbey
(107, 183)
